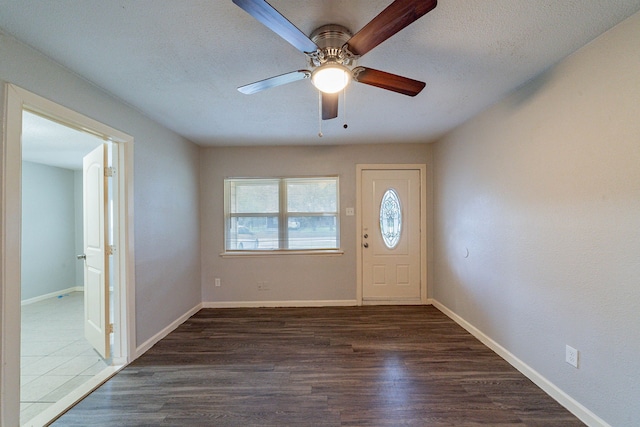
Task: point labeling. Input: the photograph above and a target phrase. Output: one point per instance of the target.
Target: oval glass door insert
(390, 218)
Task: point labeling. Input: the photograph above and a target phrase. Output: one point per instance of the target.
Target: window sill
(267, 253)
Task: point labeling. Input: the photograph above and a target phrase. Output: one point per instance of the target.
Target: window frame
(283, 216)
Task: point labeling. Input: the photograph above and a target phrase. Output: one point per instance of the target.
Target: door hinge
(110, 249)
(110, 328)
(109, 172)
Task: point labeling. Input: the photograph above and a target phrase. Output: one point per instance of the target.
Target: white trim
(422, 167)
(577, 409)
(282, 252)
(145, 346)
(373, 301)
(270, 304)
(52, 295)
(124, 282)
(54, 411)
(15, 101)
(10, 262)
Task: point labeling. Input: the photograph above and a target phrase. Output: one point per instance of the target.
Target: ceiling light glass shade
(331, 78)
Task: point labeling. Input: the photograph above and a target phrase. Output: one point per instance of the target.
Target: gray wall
(290, 277)
(167, 245)
(48, 230)
(544, 191)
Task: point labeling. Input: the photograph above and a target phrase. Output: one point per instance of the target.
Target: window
(267, 214)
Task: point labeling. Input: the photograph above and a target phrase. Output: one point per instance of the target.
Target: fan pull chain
(344, 107)
(319, 114)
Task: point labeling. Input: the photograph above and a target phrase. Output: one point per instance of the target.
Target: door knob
(366, 245)
(82, 256)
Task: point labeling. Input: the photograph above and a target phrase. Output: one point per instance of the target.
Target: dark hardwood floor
(338, 366)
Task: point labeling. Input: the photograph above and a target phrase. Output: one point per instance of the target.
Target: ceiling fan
(332, 51)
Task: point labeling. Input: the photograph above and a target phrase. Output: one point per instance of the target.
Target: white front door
(96, 266)
(391, 236)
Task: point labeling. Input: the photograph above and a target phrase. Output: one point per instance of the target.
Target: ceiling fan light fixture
(331, 77)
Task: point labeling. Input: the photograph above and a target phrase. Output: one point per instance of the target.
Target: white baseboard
(141, 349)
(393, 302)
(257, 304)
(52, 295)
(577, 409)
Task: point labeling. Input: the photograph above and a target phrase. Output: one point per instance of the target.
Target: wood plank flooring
(337, 366)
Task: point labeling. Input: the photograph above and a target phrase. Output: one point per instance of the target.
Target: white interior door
(391, 250)
(96, 266)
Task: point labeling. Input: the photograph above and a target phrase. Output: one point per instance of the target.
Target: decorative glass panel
(390, 218)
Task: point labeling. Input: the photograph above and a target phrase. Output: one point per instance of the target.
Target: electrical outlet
(217, 282)
(263, 286)
(572, 356)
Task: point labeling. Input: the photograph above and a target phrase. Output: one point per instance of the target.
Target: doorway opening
(55, 357)
(44, 239)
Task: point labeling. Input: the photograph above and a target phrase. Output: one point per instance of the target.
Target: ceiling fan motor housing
(330, 40)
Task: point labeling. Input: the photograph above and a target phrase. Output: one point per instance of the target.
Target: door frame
(16, 100)
(422, 168)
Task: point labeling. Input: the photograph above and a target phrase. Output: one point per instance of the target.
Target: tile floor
(55, 358)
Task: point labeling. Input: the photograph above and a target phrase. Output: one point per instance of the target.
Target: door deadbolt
(366, 235)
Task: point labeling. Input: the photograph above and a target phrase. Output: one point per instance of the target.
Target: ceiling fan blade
(329, 105)
(384, 80)
(280, 80)
(398, 15)
(272, 19)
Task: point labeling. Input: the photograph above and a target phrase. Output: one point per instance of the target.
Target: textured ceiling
(179, 62)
